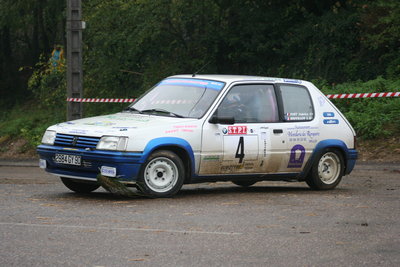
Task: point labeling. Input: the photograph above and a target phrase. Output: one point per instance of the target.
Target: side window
(297, 103)
(254, 103)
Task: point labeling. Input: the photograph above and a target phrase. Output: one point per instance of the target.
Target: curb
(19, 163)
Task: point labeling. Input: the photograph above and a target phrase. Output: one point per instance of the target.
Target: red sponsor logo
(237, 129)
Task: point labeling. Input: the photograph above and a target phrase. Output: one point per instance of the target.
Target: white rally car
(202, 128)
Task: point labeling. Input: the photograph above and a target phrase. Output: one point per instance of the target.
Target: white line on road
(118, 228)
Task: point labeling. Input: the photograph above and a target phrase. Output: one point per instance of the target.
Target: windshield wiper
(160, 110)
(132, 109)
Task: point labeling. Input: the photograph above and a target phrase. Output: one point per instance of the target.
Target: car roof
(236, 78)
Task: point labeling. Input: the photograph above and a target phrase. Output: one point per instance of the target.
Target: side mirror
(221, 120)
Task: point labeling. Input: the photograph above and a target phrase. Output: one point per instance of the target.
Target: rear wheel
(162, 175)
(79, 186)
(327, 171)
(244, 183)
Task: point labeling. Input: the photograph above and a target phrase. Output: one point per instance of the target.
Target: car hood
(116, 124)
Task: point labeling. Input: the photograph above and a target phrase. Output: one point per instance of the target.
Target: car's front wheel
(327, 171)
(79, 186)
(162, 175)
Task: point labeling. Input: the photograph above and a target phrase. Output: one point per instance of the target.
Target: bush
(49, 86)
(371, 118)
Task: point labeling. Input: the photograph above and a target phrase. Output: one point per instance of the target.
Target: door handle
(278, 131)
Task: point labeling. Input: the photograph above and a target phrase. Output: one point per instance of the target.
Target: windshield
(189, 98)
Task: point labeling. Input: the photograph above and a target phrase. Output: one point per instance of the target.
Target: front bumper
(127, 164)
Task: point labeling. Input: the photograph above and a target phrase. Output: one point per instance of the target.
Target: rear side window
(297, 104)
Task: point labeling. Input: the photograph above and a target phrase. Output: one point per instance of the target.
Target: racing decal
(269, 79)
(240, 150)
(211, 158)
(331, 121)
(185, 128)
(328, 114)
(237, 168)
(265, 148)
(182, 128)
(100, 123)
(171, 131)
(297, 154)
(237, 130)
(132, 117)
(321, 101)
(194, 82)
(303, 134)
(77, 131)
(292, 81)
(298, 116)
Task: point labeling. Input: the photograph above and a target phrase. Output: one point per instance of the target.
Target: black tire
(162, 175)
(244, 183)
(80, 186)
(327, 171)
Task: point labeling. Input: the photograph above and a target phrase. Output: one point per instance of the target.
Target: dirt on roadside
(380, 150)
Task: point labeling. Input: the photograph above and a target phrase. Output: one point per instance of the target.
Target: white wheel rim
(161, 174)
(329, 168)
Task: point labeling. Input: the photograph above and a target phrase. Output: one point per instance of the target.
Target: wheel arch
(177, 145)
(336, 144)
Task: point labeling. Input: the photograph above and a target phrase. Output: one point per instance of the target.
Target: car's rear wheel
(244, 183)
(327, 171)
(162, 175)
(80, 186)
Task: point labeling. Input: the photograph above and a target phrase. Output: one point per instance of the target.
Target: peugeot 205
(207, 128)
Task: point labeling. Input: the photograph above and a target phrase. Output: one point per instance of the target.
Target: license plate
(68, 159)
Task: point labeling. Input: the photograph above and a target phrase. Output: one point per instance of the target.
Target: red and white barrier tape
(364, 95)
(336, 96)
(101, 100)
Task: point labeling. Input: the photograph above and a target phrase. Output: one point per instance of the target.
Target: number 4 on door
(240, 150)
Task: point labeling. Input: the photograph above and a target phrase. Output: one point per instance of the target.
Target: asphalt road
(270, 224)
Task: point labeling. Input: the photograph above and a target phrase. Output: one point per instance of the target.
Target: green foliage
(373, 117)
(48, 85)
(380, 31)
(28, 121)
(27, 30)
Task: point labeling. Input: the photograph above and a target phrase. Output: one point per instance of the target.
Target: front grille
(66, 140)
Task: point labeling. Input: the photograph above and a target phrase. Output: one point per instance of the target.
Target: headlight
(49, 137)
(113, 143)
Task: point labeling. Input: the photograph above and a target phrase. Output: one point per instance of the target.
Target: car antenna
(205, 65)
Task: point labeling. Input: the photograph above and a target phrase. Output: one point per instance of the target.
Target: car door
(237, 139)
(298, 121)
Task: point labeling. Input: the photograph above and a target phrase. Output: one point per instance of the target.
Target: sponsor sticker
(108, 171)
(297, 155)
(329, 114)
(211, 158)
(296, 116)
(292, 81)
(331, 121)
(237, 129)
(194, 82)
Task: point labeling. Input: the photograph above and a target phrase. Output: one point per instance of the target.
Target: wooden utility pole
(74, 58)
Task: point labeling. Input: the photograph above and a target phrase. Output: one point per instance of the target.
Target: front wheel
(327, 171)
(162, 175)
(79, 186)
